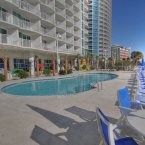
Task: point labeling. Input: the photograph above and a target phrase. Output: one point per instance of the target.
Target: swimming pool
(60, 86)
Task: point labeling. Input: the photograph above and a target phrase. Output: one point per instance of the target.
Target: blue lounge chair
(125, 103)
(107, 132)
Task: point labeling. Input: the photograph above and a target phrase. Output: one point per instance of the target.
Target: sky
(128, 24)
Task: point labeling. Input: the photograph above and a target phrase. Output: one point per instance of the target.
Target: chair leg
(101, 142)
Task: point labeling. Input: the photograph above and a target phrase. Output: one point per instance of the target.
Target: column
(5, 59)
(66, 63)
(58, 63)
(53, 63)
(11, 63)
(32, 66)
(37, 65)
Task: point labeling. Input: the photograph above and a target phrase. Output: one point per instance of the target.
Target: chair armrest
(128, 109)
(140, 102)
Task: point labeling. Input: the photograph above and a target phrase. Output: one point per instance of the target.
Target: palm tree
(78, 61)
(97, 62)
(110, 63)
(136, 56)
(90, 58)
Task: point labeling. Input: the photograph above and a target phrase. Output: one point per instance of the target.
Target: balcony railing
(25, 6)
(15, 2)
(77, 43)
(24, 42)
(49, 3)
(11, 19)
(61, 1)
(47, 17)
(60, 11)
(3, 38)
(4, 16)
(70, 30)
(60, 24)
(49, 47)
(47, 32)
(70, 40)
(71, 19)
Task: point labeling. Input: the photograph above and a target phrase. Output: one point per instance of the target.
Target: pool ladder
(98, 85)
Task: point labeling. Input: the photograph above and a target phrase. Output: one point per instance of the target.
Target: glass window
(21, 64)
(48, 64)
(1, 63)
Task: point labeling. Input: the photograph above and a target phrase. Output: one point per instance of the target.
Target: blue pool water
(63, 86)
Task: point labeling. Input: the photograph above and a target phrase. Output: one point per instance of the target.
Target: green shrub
(15, 72)
(21, 73)
(62, 72)
(69, 71)
(47, 72)
(2, 78)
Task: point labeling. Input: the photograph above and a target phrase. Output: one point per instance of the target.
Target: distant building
(120, 52)
(99, 21)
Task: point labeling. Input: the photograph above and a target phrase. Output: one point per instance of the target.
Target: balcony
(77, 24)
(5, 16)
(69, 8)
(13, 20)
(70, 30)
(24, 43)
(76, 2)
(70, 40)
(77, 5)
(60, 3)
(24, 5)
(77, 43)
(60, 12)
(47, 17)
(69, 19)
(15, 2)
(48, 32)
(48, 3)
(60, 24)
(77, 15)
(48, 46)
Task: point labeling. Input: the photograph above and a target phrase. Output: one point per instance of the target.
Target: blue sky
(128, 23)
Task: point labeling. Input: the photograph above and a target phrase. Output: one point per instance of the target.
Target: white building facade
(49, 30)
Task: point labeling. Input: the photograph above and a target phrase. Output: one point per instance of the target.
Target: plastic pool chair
(107, 132)
(125, 103)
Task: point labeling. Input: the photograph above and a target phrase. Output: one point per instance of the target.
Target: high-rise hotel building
(52, 31)
(44, 29)
(100, 13)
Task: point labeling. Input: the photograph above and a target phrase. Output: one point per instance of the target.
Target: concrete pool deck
(58, 120)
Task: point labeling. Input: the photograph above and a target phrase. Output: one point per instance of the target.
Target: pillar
(11, 63)
(66, 64)
(53, 63)
(5, 59)
(32, 66)
(37, 67)
(58, 64)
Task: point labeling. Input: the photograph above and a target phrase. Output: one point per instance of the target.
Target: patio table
(137, 121)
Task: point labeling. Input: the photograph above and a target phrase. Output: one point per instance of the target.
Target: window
(21, 64)
(1, 63)
(21, 21)
(3, 14)
(3, 36)
(48, 64)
